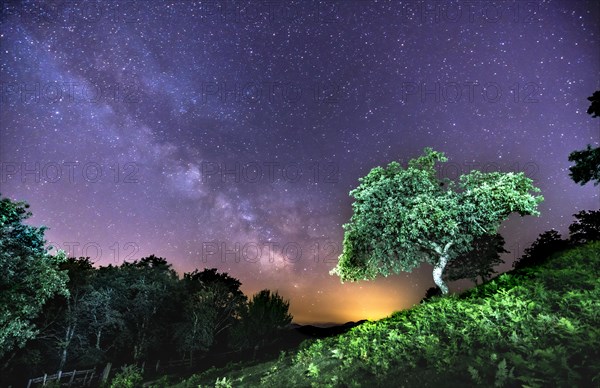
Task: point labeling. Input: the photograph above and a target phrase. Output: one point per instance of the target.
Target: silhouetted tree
(68, 329)
(594, 108)
(587, 162)
(265, 314)
(586, 227)
(480, 261)
(430, 293)
(545, 245)
(76, 315)
(110, 313)
(219, 292)
(149, 284)
(196, 330)
(102, 318)
(587, 165)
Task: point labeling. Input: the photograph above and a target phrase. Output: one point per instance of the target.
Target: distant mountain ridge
(325, 330)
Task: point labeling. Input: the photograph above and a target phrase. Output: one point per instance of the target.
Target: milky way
(228, 133)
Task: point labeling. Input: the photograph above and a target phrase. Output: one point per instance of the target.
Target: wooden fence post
(106, 372)
(85, 377)
(92, 376)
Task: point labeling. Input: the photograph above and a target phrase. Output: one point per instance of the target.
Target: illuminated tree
(403, 217)
(29, 275)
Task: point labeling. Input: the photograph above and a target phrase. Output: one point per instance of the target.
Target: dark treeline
(584, 229)
(143, 311)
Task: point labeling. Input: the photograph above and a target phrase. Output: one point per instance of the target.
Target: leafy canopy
(586, 167)
(29, 275)
(266, 313)
(405, 216)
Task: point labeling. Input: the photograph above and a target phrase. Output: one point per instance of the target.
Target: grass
(533, 327)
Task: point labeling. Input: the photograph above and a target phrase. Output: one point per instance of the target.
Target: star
(247, 126)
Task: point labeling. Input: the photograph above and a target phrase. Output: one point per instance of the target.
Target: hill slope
(532, 327)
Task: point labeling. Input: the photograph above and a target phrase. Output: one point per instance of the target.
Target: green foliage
(529, 327)
(223, 383)
(29, 275)
(282, 356)
(236, 374)
(137, 311)
(403, 217)
(313, 370)
(195, 332)
(163, 382)
(213, 303)
(69, 319)
(146, 285)
(130, 376)
(102, 316)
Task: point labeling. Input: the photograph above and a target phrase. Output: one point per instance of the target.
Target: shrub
(129, 377)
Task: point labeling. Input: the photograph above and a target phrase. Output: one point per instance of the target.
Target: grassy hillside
(533, 327)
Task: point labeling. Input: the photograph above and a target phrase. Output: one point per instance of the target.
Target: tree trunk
(68, 337)
(437, 274)
(63, 359)
(140, 344)
(98, 334)
(438, 269)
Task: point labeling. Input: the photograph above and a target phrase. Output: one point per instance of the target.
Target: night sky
(228, 134)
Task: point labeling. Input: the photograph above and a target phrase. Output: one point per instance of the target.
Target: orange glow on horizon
(355, 301)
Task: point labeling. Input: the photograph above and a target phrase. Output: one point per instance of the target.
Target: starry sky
(227, 134)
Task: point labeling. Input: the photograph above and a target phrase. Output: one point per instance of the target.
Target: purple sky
(207, 132)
